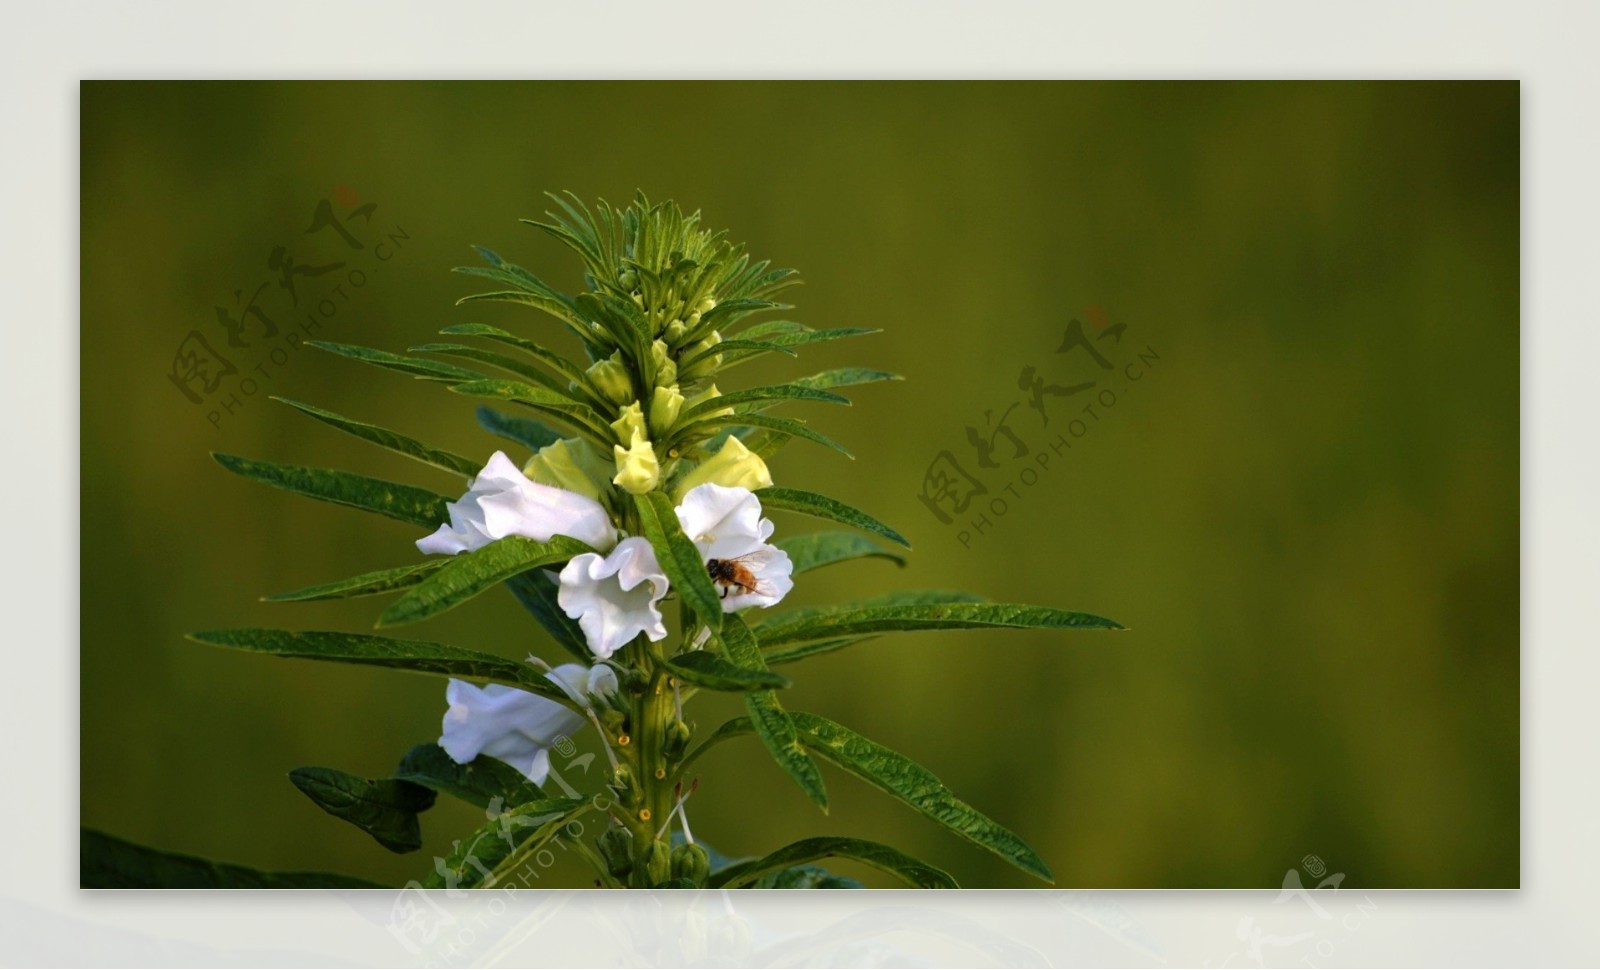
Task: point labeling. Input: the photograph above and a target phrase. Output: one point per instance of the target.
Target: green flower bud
(656, 866)
(674, 333)
(628, 279)
(572, 464)
(666, 370)
(707, 305)
(676, 741)
(616, 847)
(705, 366)
(703, 397)
(610, 377)
(638, 470)
(665, 405)
(734, 466)
(691, 862)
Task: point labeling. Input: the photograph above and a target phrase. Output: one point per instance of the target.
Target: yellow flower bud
(706, 366)
(629, 423)
(734, 466)
(665, 405)
(703, 397)
(572, 464)
(638, 471)
(666, 370)
(610, 378)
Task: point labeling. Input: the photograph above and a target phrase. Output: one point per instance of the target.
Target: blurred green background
(1306, 509)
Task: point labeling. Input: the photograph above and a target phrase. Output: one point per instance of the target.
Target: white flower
(614, 597)
(515, 726)
(501, 502)
(725, 524)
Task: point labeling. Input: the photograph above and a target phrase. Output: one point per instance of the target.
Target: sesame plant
(627, 513)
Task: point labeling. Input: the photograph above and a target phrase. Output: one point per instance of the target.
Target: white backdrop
(44, 919)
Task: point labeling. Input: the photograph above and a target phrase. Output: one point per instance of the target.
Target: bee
(731, 574)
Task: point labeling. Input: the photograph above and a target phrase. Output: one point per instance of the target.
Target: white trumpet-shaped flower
(515, 726)
(725, 524)
(614, 597)
(501, 501)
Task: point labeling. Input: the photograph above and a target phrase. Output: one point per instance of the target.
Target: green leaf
(754, 395)
(757, 346)
(702, 668)
(366, 584)
(808, 552)
(417, 656)
(852, 620)
(918, 787)
(521, 830)
(407, 503)
(789, 655)
(107, 862)
(822, 507)
(540, 399)
(772, 723)
(538, 593)
(679, 558)
(392, 440)
(478, 782)
(882, 857)
(386, 810)
(787, 426)
(466, 575)
(847, 377)
(415, 366)
(526, 432)
(507, 363)
(567, 368)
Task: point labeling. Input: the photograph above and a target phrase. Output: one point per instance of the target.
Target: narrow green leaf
(478, 782)
(470, 573)
(417, 656)
(772, 723)
(679, 558)
(540, 399)
(406, 503)
(554, 384)
(760, 346)
(847, 377)
(567, 368)
(755, 395)
(520, 830)
(415, 366)
(526, 432)
(107, 862)
(918, 787)
(818, 549)
(392, 440)
(882, 857)
(822, 507)
(852, 620)
(366, 584)
(789, 655)
(537, 593)
(386, 809)
(787, 426)
(702, 668)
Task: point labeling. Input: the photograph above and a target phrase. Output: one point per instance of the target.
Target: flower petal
(502, 502)
(614, 598)
(502, 722)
